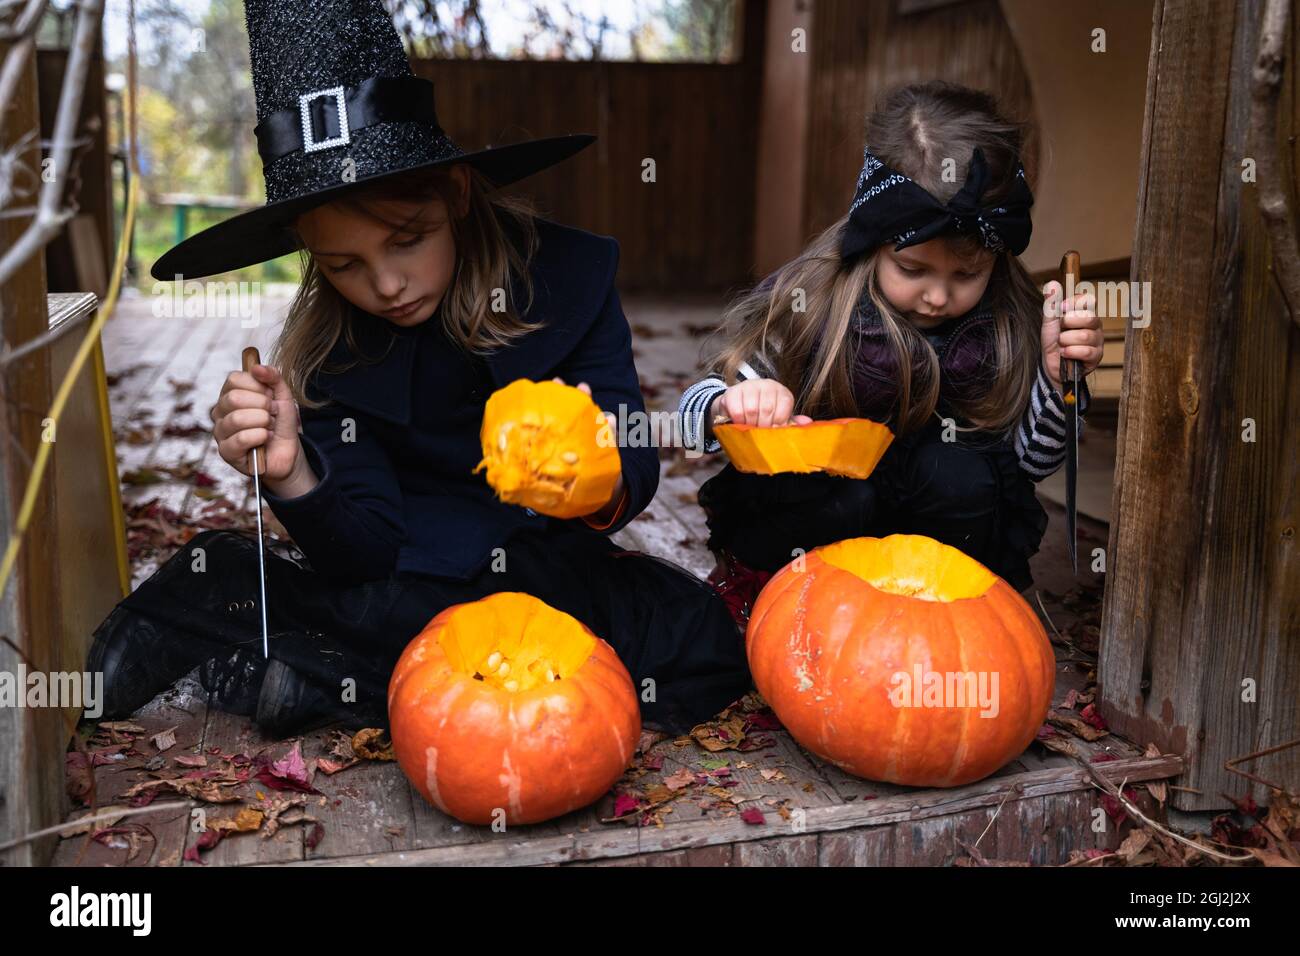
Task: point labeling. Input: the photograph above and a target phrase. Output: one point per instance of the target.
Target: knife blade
(251, 358)
(1071, 372)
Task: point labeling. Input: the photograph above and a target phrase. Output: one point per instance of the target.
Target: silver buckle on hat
(310, 145)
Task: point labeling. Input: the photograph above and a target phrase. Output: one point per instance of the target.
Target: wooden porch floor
(166, 373)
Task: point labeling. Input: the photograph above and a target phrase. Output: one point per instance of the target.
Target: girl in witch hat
(424, 291)
(911, 310)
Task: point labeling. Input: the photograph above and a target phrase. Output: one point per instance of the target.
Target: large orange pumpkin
(901, 659)
(839, 446)
(549, 447)
(506, 708)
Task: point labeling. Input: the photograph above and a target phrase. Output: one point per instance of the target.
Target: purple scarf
(964, 345)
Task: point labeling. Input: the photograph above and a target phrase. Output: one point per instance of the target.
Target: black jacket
(397, 489)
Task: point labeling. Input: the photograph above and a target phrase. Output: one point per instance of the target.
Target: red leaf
(763, 720)
(287, 773)
(1090, 714)
(1114, 809)
(753, 816)
(624, 804)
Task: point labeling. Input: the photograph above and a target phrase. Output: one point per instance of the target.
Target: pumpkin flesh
(840, 446)
(548, 447)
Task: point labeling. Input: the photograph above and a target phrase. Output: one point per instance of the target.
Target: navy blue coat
(397, 489)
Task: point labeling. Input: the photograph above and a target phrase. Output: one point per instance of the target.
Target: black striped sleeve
(1040, 436)
(698, 397)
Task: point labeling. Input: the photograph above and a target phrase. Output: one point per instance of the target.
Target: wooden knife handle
(251, 357)
(1071, 369)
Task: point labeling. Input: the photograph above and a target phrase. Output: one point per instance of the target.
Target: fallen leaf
(753, 816)
(680, 780)
(290, 772)
(624, 804)
(79, 778)
(164, 739)
(372, 743)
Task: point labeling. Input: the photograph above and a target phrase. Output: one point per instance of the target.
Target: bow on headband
(887, 206)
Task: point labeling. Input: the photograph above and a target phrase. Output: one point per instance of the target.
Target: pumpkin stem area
(911, 565)
(515, 642)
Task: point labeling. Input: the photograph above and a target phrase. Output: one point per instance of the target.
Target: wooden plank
(185, 709)
(234, 734)
(364, 809)
(921, 805)
(788, 851)
(1019, 831)
(977, 829)
(867, 846)
(925, 842)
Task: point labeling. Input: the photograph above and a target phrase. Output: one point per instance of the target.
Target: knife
(251, 358)
(1071, 372)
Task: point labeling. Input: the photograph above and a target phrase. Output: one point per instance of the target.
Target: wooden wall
(861, 48)
(692, 228)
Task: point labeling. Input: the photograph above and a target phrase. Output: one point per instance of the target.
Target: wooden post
(32, 740)
(1200, 648)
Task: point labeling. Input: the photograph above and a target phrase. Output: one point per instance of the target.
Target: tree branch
(1266, 84)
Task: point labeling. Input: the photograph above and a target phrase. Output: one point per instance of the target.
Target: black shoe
(234, 680)
(139, 659)
(289, 704)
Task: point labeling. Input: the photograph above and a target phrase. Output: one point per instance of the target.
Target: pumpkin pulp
(515, 642)
(911, 566)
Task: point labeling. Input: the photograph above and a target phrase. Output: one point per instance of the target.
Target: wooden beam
(1200, 649)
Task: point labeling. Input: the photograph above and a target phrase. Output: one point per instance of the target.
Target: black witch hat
(337, 105)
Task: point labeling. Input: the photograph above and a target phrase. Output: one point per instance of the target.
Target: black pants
(968, 494)
(670, 630)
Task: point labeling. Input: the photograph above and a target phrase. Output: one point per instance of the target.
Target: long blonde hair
(495, 241)
(811, 348)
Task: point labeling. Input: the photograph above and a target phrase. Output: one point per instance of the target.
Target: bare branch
(1266, 83)
(50, 217)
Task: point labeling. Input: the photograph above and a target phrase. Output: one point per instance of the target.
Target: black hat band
(329, 117)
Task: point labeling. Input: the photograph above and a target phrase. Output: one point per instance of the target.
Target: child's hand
(764, 402)
(257, 410)
(1076, 335)
(605, 514)
(586, 390)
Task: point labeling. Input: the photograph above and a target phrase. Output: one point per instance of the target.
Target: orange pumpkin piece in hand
(839, 446)
(549, 447)
(901, 659)
(506, 708)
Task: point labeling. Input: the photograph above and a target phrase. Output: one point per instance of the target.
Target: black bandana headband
(887, 206)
